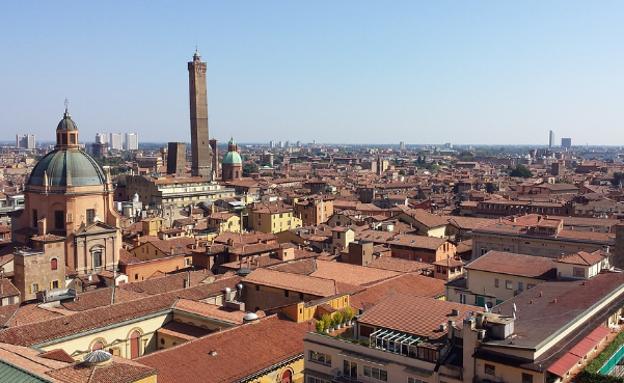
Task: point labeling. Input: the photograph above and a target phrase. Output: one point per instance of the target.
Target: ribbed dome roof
(232, 158)
(66, 124)
(65, 167)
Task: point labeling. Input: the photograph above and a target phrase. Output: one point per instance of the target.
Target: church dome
(232, 158)
(67, 167)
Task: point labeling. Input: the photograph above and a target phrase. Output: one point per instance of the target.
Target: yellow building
(273, 218)
(222, 222)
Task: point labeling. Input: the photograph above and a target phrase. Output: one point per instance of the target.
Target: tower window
(90, 216)
(59, 219)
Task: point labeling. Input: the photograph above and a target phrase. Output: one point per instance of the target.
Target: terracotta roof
(40, 332)
(7, 289)
(100, 297)
(583, 258)
(425, 218)
(399, 264)
(320, 287)
(502, 262)
(415, 315)
(408, 284)
(230, 355)
(350, 274)
(118, 371)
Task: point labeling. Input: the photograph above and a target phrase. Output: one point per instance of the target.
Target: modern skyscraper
(115, 141)
(25, 141)
(201, 162)
(566, 142)
(551, 139)
(176, 158)
(132, 141)
(101, 138)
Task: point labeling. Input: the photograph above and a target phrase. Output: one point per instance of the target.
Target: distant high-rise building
(101, 138)
(132, 141)
(176, 158)
(551, 139)
(115, 141)
(402, 145)
(201, 162)
(271, 144)
(25, 141)
(281, 144)
(566, 142)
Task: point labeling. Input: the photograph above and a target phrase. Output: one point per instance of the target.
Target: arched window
(286, 377)
(54, 264)
(135, 344)
(98, 345)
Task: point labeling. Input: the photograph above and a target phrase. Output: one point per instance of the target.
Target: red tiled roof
(408, 284)
(230, 355)
(118, 371)
(294, 282)
(419, 316)
(503, 262)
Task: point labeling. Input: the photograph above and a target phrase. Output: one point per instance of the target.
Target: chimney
(42, 226)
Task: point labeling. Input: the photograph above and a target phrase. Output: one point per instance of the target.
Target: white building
(115, 141)
(132, 141)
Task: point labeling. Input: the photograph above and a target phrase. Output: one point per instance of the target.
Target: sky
(423, 72)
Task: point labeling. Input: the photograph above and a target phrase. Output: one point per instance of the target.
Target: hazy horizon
(350, 72)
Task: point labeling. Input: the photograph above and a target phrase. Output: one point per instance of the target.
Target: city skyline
(419, 73)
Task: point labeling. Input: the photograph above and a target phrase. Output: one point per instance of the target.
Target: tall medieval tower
(201, 164)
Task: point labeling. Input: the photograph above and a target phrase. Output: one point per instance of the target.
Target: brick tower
(201, 163)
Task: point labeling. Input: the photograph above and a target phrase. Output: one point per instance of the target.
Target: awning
(587, 344)
(579, 351)
(564, 364)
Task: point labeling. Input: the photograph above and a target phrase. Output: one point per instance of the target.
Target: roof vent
(213, 353)
(454, 312)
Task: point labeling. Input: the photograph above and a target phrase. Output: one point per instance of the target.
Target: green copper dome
(232, 158)
(67, 167)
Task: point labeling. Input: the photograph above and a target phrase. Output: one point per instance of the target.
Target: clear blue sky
(493, 72)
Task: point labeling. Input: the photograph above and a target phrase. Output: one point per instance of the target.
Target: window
(286, 293)
(257, 287)
(55, 284)
(319, 357)
(509, 285)
(376, 373)
(97, 258)
(527, 378)
(462, 298)
(136, 276)
(489, 369)
(349, 369)
(496, 282)
(483, 251)
(59, 219)
(54, 264)
(90, 216)
(520, 286)
(35, 218)
(34, 288)
(578, 272)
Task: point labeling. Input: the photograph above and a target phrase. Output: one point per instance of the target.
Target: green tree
(249, 168)
(521, 171)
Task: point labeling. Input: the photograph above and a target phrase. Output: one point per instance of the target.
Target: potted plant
(320, 326)
(338, 318)
(349, 315)
(327, 322)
